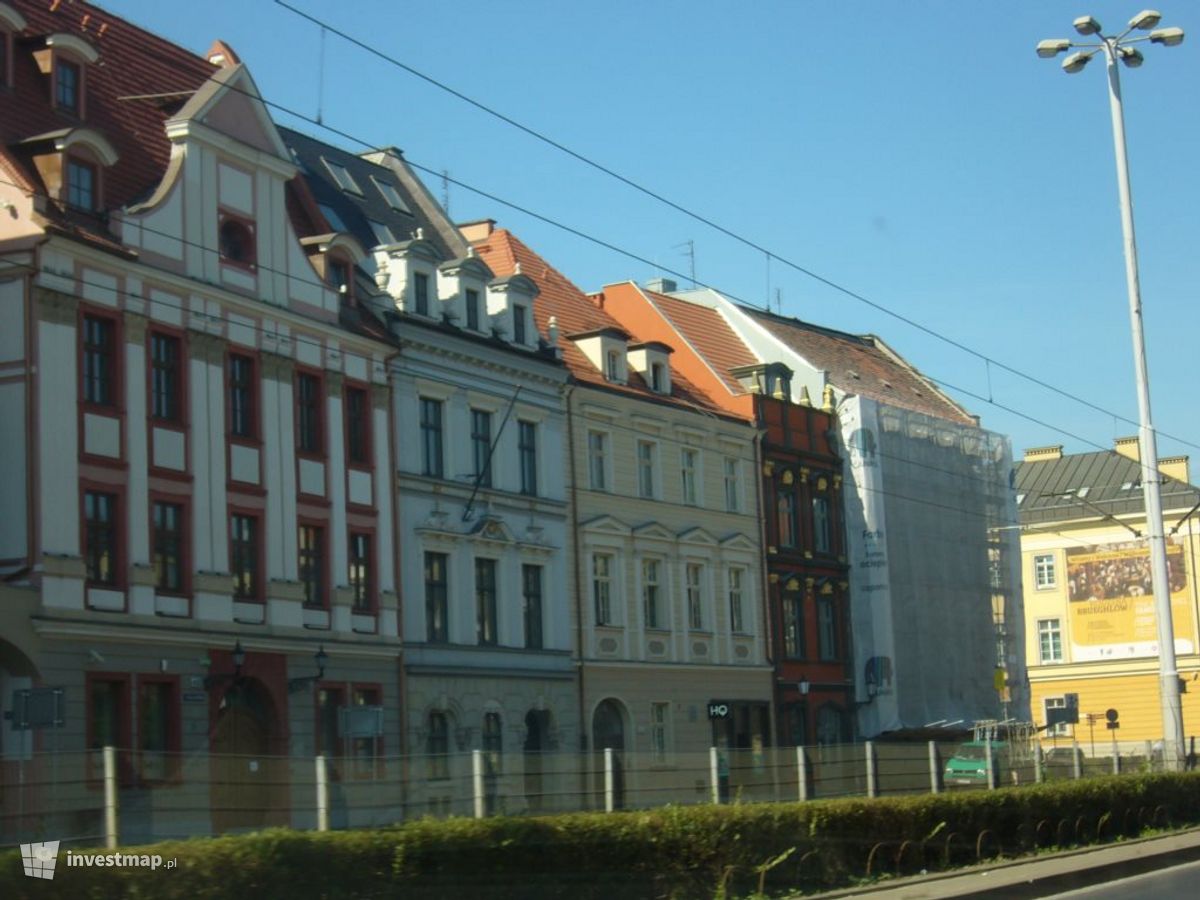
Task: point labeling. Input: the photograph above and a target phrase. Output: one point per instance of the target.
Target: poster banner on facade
(1112, 602)
(870, 583)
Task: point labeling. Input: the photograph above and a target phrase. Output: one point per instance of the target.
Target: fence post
(477, 781)
(714, 773)
(1116, 755)
(935, 769)
(322, 794)
(110, 798)
(1076, 762)
(872, 787)
(1039, 775)
(1149, 757)
(609, 783)
(802, 772)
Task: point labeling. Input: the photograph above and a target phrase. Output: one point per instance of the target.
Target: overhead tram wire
(740, 238)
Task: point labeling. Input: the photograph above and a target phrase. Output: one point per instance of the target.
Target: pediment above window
(73, 138)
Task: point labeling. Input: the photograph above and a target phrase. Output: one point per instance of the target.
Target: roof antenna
(690, 253)
(779, 301)
(446, 191)
(321, 80)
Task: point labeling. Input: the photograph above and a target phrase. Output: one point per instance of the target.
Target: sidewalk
(1040, 877)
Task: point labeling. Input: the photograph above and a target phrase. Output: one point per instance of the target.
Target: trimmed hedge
(673, 852)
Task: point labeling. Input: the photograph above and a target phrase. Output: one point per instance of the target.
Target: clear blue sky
(918, 153)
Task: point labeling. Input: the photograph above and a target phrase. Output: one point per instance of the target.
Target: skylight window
(343, 177)
(383, 234)
(1082, 492)
(391, 196)
(331, 216)
(1020, 499)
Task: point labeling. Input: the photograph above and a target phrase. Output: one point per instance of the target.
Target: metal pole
(1116, 764)
(935, 784)
(1076, 762)
(477, 781)
(714, 773)
(1172, 712)
(1039, 774)
(802, 772)
(609, 783)
(991, 769)
(322, 794)
(110, 798)
(872, 787)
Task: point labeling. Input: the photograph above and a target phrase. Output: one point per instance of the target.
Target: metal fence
(117, 796)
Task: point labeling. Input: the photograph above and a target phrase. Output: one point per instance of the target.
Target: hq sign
(718, 710)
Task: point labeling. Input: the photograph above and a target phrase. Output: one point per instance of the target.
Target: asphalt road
(1175, 883)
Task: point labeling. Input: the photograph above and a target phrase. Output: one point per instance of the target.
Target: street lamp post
(1118, 49)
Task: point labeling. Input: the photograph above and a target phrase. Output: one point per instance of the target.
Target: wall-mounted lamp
(239, 659)
(804, 686)
(299, 684)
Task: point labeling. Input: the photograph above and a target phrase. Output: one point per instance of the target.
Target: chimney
(478, 230)
(1175, 467)
(1044, 454)
(222, 55)
(1129, 448)
(662, 285)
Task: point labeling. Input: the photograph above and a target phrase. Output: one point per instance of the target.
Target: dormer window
(65, 59)
(656, 378)
(649, 360)
(519, 331)
(339, 278)
(81, 185)
(71, 162)
(421, 293)
(472, 310)
(68, 79)
(236, 241)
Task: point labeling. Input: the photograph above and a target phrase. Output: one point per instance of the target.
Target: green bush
(673, 852)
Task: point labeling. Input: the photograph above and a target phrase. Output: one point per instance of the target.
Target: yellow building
(1090, 623)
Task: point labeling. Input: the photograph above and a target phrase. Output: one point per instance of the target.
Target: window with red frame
(365, 750)
(68, 79)
(81, 185)
(361, 571)
(308, 413)
(168, 541)
(357, 426)
(329, 701)
(158, 733)
(165, 378)
(99, 366)
(100, 537)
(242, 421)
(312, 564)
(243, 556)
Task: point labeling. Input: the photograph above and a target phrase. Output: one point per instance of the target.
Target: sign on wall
(1112, 602)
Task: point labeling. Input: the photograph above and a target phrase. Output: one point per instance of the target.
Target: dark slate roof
(356, 211)
(1113, 485)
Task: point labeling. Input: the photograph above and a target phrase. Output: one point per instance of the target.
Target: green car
(968, 765)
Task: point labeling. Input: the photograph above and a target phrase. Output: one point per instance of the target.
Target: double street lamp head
(1117, 46)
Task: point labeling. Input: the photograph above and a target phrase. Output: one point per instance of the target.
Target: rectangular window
(100, 539)
(660, 725)
(531, 579)
(1050, 640)
(492, 741)
(437, 747)
(343, 177)
(827, 642)
(308, 413)
(81, 185)
(330, 701)
(421, 293)
(737, 621)
(361, 576)
(485, 601)
(364, 749)
(164, 378)
(651, 591)
(108, 722)
(527, 450)
(67, 76)
(1043, 572)
(1062, 728)
(785, 508)
(612, 370)
(241, 397)
(519, 326)
(311, 540)
(695, 596)
(598, 460)
(656, 377)
(168, 547)
(431, 437)
(391, 195)
(793, 625)
(687, 471)
(602, 588)
(158, 737)
(481, 446)
(243, 556)
(358, 431)
(732, 485)
(436, 610)
(645, 463)
(821, 529)
(383, 234)
(99, 366)
(473, 310)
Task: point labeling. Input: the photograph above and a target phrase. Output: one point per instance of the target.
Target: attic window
(519, 328)
(68, 85)
(82, 185)
(656, 378)
(391, 196)
(332, 217)
(236, 241)
(343, 177)
(383, 234)
(339, 278)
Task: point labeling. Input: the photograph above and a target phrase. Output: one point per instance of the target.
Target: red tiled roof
(708, 332)
(132, 62)
(862, 364)
(575, 313)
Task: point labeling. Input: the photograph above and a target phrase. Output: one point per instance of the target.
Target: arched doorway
(249, 782)
(608, 733)
(537, 742)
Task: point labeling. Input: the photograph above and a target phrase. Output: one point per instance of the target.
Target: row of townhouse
(294, 465)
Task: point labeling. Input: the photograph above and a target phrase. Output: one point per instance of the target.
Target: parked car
(968, 765)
